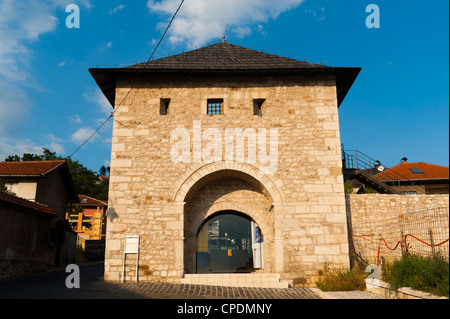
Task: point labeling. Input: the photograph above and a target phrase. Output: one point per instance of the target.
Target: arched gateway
(224, 211)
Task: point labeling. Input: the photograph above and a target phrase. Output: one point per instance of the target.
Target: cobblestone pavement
(185, 291)
(92, 286)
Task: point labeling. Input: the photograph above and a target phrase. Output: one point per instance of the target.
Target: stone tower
(226, 159)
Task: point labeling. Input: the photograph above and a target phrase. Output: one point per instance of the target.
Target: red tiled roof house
(33, 228)
(417, 178)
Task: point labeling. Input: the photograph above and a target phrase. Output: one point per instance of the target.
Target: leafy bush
(338, 279)
(429, 274)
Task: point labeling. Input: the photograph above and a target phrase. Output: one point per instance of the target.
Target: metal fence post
(431, 242)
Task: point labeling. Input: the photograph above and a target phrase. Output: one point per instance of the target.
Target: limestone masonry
(299, 208)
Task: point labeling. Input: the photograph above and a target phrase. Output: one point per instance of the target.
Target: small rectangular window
(416, 171)
(257, 106)
(215, 106)
(164, 107)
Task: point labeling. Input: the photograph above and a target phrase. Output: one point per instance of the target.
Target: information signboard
(131, 247)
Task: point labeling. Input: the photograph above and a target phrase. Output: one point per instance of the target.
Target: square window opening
(164, 107)
(215, 106)
(257, 106)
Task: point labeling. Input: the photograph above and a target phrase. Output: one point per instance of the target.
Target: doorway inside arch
(229, 242)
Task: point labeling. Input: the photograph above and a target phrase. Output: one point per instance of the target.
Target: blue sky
(398, 107)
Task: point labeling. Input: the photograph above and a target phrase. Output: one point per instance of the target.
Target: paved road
(52, 285)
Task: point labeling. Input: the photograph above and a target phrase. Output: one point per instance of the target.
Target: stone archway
(209, 191)
(271, 184)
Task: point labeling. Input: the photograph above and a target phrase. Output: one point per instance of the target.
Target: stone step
(253, 280)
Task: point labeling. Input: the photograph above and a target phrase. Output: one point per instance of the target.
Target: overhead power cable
(151, 57)
(95, 132)
(131, 87)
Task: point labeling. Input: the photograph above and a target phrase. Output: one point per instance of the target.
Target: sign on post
(131, 247)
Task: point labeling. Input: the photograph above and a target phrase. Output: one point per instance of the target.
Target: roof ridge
(224, 58)
(199, 58)
(30, 168)
(431, 164)
(421, 162)
(259, 50)
(25, 201)
(428, 171)
(98, 200)
(29, 162)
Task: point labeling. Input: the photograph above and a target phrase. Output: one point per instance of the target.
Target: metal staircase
(361, 167)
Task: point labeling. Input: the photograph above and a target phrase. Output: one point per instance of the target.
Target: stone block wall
(374, 217)
(300, 207)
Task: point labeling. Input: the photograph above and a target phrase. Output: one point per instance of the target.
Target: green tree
(13, 158)
(101, 190)
(368, 190)
(83, 178)
(102, 171)
(49, 155)
(46, 155)
(348, 187)
(3, 188)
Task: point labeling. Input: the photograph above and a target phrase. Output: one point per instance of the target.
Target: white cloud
(104, 108)
(96, 96)
(107, 141)
(17, 147)
(55, 144)
(22, 23)
(82, 134)
(54, 138)
(57, 148)
(242, 32)
(318, 12)
(14, 108)
(118, 8)
(75, 119)
(201, 20)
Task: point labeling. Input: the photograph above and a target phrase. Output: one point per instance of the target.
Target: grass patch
(339, 279)
(429, 274)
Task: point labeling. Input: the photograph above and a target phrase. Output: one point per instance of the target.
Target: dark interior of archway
(224, 244)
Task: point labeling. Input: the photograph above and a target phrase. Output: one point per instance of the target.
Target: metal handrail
(355, 159)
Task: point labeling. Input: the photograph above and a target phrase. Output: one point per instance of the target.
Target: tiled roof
(23, 203)
(221, 58)
(225, 56)
(430, 171)
(35, 168)
(89, 201)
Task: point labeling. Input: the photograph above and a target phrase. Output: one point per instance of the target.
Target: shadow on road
(52, 285)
